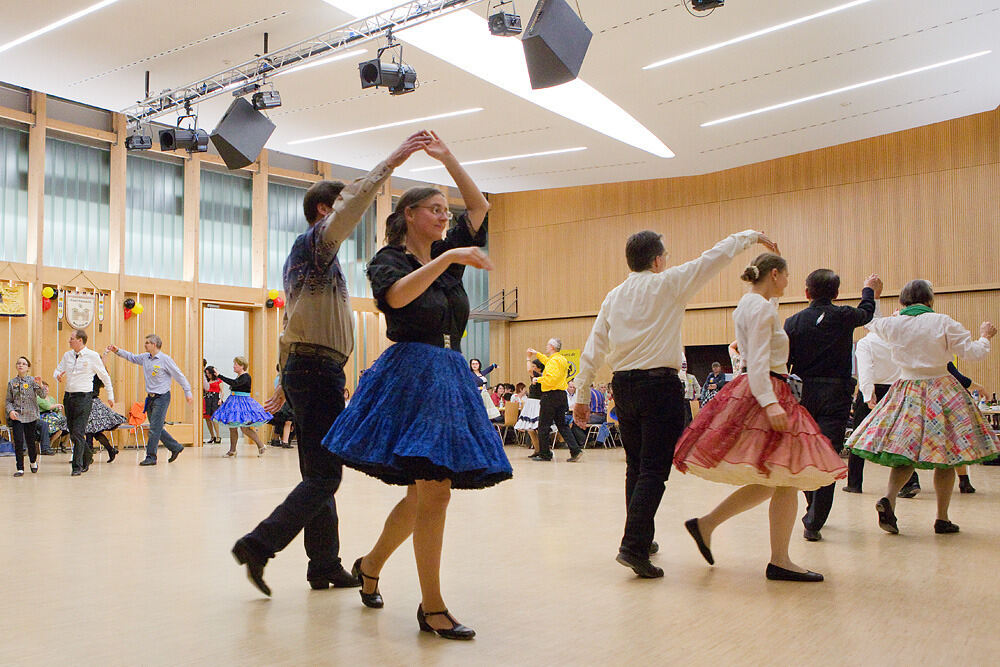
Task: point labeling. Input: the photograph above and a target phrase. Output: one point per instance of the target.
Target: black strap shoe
(456, 631)
(244, 555)
(886, 517)
(775, 573)
(373, 599)
(695, 532)
(112, 454)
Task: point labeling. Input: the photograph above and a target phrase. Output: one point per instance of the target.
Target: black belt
(310, 350)
(828, 380)
(79, 393)
(152, 395)
(645, 372)
(437, 340)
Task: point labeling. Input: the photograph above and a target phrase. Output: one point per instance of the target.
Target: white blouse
(763, 343)
(922, 345)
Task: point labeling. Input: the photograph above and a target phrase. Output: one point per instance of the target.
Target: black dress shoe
(456, 631)
(112, 454)
(539, 457)
(695, 532)
(944, 527)
(75, 473)
(147, 462)
(908, 491)
(48, 452)
(641, 566)
(244, 555)
(653, 548)
(85, 468)
(852, 489)
(775, 573)
(811, 535)
(174, 455)
(340, 578)
(886, 517)
(373, 600)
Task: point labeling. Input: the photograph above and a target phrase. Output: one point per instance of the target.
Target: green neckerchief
(916, 309)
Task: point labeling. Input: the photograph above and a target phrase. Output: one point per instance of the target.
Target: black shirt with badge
(443, 308)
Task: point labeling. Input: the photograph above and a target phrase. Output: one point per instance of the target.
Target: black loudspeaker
(555, 43)
(241, 134)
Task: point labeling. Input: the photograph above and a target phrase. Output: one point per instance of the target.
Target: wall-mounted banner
(80, 309)
(12, 300)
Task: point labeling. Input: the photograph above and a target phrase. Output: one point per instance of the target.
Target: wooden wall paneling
(975, 140)
(976, 224)
(915, 151)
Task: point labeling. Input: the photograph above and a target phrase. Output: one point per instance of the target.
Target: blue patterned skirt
(416, 415)
(241, 410)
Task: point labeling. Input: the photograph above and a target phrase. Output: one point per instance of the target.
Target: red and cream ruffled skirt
(731, 441)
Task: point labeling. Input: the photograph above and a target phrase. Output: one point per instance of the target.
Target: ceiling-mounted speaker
(555, 43)
(241, 134)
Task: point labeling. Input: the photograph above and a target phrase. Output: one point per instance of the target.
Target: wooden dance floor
(131, 566)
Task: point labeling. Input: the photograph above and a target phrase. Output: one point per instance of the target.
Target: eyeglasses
(436, 211)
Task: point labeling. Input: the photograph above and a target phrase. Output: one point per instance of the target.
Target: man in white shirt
(876, 373)
(638, 333)
(78, 367)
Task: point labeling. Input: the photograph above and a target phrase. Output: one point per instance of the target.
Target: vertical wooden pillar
(36, 217)
(262, 338)
(192, 224)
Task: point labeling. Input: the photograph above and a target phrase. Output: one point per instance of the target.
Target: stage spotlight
(175, 138)
(266, 99)
(705, 5)
(138, 142)
(399, 78)
(504, 24)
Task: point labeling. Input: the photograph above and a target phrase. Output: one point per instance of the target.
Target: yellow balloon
(137, 309)
(272, 294)
(47, 292)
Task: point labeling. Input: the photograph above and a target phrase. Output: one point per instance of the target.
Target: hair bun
(751, 274)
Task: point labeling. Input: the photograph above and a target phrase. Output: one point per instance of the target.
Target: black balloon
(269, 303)
(129, 304)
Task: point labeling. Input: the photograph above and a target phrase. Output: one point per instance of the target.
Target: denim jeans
(43, 435)
(77, 406)
(650, 406)
(314, 386)
(156, 412)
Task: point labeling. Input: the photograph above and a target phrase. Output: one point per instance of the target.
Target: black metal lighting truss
(253, 72)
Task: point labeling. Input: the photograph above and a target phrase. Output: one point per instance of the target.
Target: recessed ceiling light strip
(505, 158)
(57, 24)
(845, 89)
(756, 33)
(384, 126)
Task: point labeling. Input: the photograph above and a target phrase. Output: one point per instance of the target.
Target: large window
(77, 205)
(285, 221)
(355, 253)
(154, 219)
(476, 343)
(226, 248)
(13, 195)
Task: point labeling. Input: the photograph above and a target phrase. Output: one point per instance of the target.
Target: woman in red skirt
(754, 433)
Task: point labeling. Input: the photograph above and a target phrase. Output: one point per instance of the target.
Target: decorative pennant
(80, 309)
(100, 311)
(59, 308)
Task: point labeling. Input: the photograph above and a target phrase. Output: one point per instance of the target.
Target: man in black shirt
(820, 350)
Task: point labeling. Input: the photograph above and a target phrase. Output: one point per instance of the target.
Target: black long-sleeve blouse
(241, 383)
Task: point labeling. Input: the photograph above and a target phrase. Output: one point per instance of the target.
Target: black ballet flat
(456, 631)
(942, 527)
(886, 517)
(775, 573)
(372, 600)
(692, 528)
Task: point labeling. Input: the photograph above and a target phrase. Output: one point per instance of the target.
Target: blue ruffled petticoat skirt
(241, 410)
(416, 414)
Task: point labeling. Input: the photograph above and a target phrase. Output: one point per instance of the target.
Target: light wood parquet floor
(131, 566)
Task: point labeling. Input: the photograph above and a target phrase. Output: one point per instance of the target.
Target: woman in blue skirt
(241, 411)
(391, 431)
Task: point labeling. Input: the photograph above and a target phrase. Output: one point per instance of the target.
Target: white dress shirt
(875, 365)
(639, 324)
(80, 370)
(763, 343)
(922, 345)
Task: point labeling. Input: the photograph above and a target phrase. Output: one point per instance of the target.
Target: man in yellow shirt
(554, 402)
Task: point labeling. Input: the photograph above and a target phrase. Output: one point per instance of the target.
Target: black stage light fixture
(138, 142)
(705, 5)
(176, 138)
(502, 23)
(399, 78)
(266, 99)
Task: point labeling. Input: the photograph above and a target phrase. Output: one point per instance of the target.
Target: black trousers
(77, 406)
(650, 405)
(554, 405)
(314, 387)
(828, 400)
(856, 464)
(25, 436)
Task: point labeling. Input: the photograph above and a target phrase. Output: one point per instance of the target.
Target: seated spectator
(520, 394)
(715, 381)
